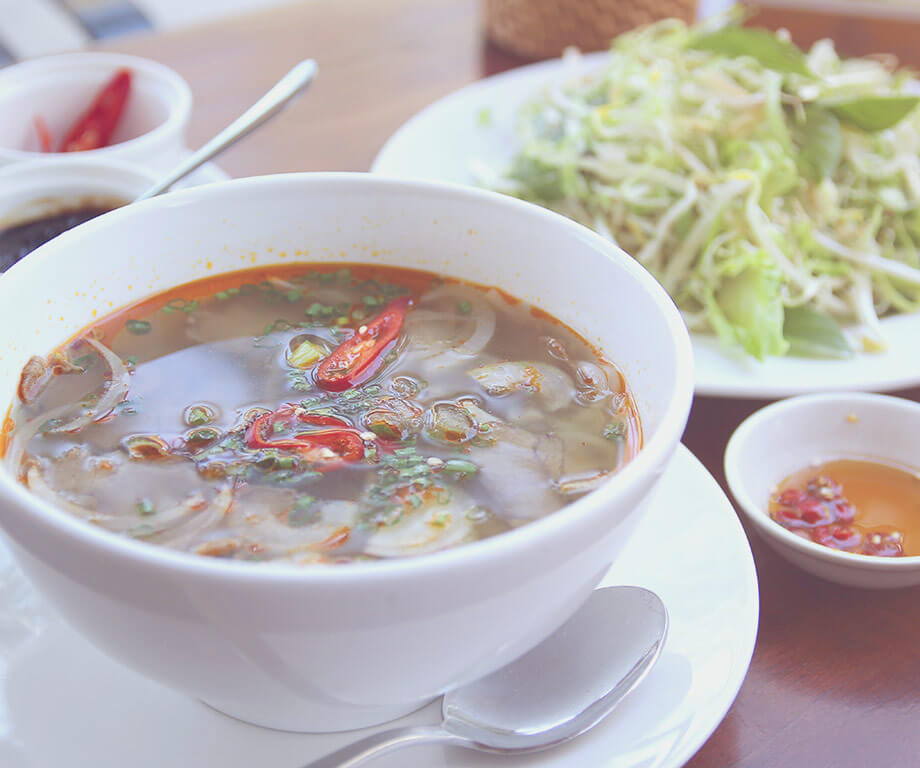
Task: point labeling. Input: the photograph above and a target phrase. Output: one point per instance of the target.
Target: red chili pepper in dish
(357, 359)
(44, 135)
(324, 448)
(95, 127)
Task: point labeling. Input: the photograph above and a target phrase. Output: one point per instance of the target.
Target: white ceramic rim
(654, 452)
(72, 160)
(27, 177)
(180, 109)
(756, 512)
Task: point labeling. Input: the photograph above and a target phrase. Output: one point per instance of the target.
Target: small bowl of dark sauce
(832, 483)
(40, 200)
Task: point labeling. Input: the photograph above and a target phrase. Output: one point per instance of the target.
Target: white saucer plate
(64, 704)
(476, 125)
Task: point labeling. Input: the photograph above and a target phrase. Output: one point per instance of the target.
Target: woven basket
(538, 29)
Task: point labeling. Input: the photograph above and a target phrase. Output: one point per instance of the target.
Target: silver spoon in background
(557, 691)
(282, 93)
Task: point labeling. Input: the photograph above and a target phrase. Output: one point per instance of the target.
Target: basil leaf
(875, 113)
(814, 334)
(821, 144)
(759, 44)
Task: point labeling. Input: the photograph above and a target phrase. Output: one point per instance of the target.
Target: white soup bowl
(332, 648)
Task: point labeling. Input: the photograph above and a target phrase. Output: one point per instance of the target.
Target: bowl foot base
(310, 720)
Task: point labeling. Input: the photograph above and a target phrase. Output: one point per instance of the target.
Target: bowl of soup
(316, 448)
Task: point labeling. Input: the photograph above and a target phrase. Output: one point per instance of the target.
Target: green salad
(774, 193)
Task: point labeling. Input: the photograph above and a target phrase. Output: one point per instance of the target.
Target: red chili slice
(838, 537)
(344, 442)
(95, 127)
(356, 359)
(44, 135)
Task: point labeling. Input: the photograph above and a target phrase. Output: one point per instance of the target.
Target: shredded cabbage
(747, 184)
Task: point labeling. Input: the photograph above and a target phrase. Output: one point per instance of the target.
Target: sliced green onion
(145, 507)
(439, 519)
(138, 327)
(460, 467)
(141, 531)
(301, 513)
(85, 361)
(198, 415)
(203, 435)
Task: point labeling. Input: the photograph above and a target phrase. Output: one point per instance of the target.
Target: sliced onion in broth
(114, 391)
(428, 528)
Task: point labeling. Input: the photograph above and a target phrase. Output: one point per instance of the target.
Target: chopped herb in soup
(308, 416)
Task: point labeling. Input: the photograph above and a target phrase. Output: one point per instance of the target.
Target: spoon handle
(289, 86)
(386, 741)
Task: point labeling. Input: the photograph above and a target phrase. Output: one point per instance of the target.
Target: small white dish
(33, 189)
(55, 683)
(786, 436)
(476, 125)
(38, 187)
(60, 88)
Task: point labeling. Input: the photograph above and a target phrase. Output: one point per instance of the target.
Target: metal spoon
(557, 691)
(282, 93)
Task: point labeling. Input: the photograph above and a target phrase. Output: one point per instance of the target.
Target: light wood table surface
(835, 676)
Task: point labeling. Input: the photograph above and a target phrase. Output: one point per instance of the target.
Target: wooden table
(834, 678)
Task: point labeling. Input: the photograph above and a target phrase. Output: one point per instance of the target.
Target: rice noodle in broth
(312, 414)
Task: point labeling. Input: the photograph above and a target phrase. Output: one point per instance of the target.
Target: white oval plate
(63, 703)
(443, 141)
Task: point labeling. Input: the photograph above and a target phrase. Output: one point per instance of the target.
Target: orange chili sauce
(886, 498)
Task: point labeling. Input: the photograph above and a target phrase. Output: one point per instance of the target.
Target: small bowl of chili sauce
(40, 200)
(832, 483)
(98, 105)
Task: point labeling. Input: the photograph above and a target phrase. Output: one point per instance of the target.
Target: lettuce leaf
(746, 308)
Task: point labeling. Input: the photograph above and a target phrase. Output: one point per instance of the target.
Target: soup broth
(309, 414)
